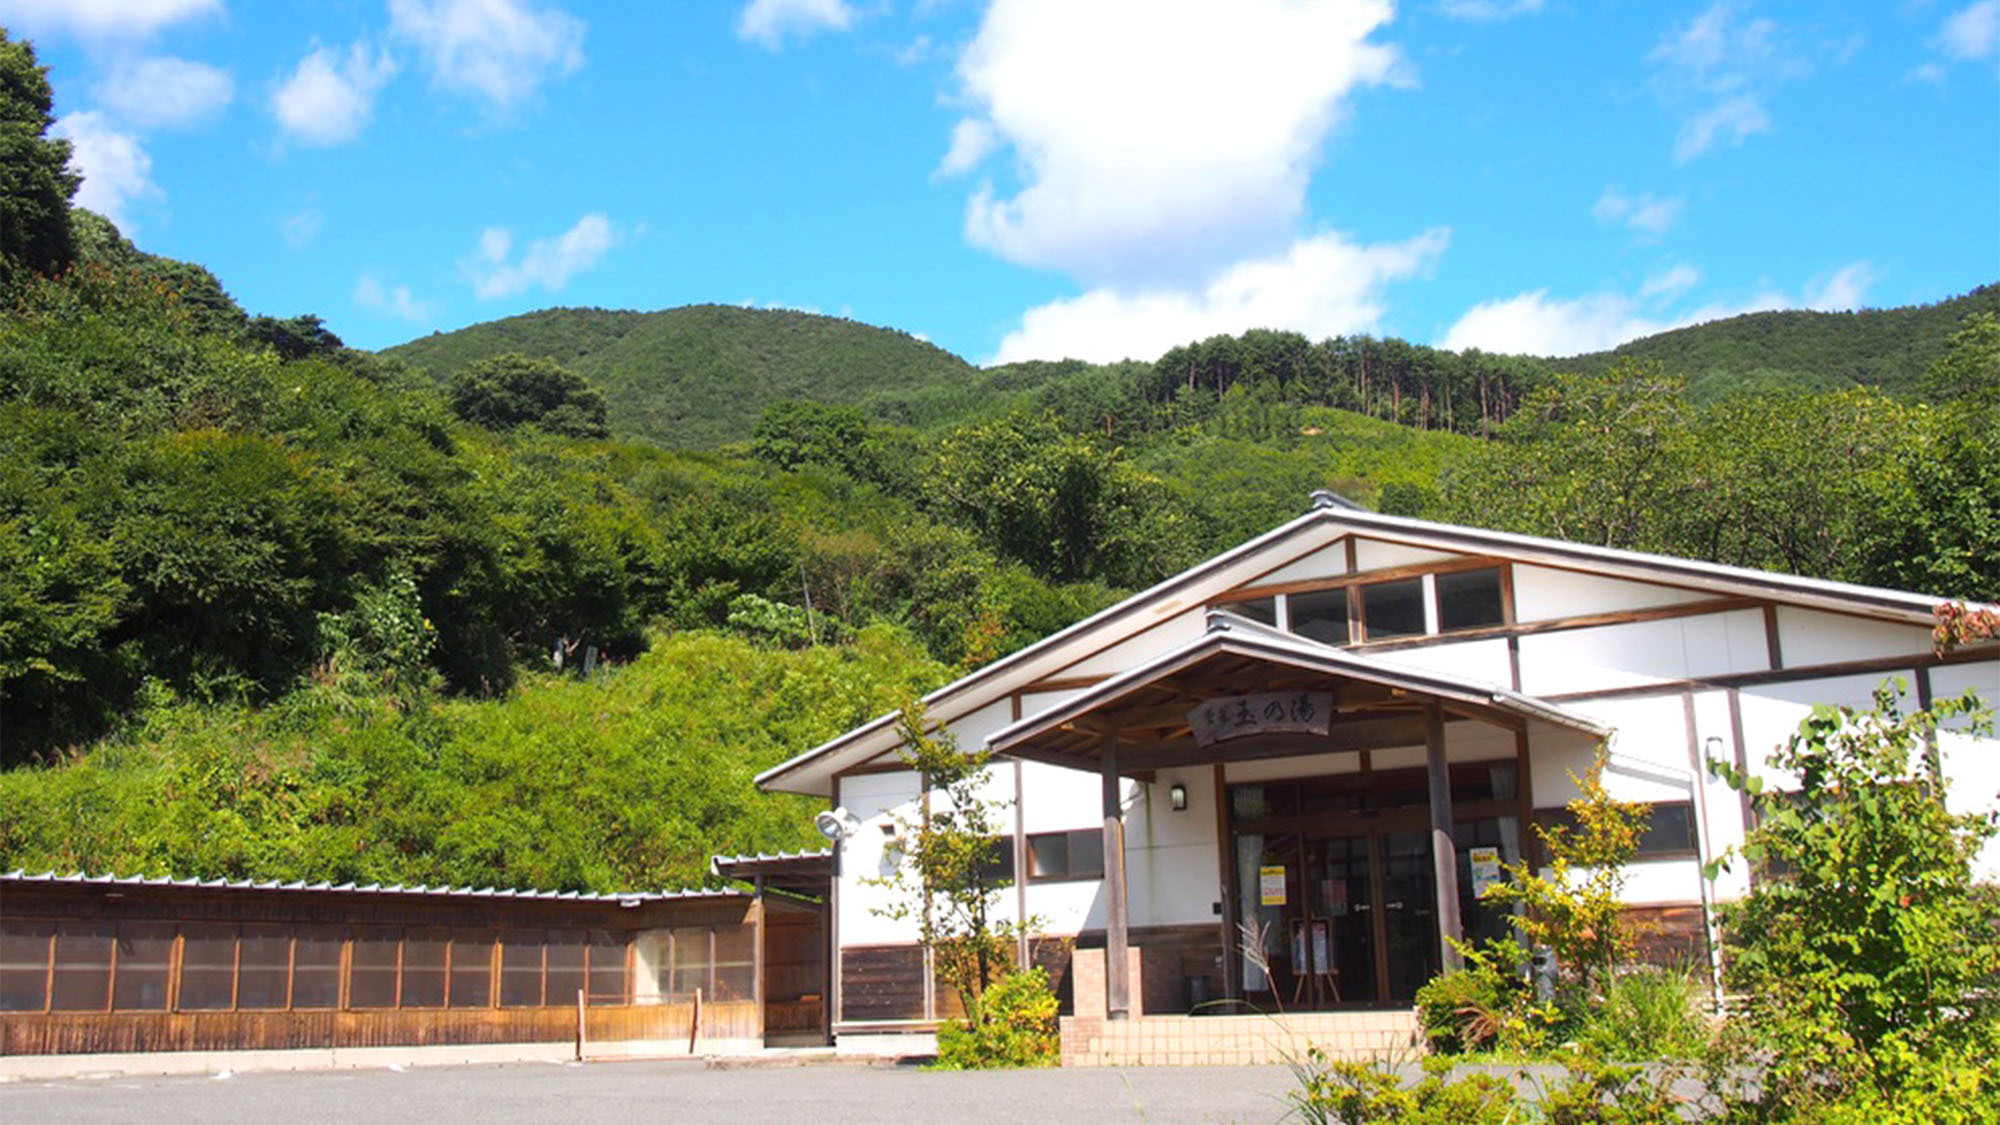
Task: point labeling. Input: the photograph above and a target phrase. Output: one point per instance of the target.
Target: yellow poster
(1271, 885)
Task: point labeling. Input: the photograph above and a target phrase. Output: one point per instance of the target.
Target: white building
(1272, 740)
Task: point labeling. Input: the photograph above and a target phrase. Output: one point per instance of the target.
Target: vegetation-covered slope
(1797, 350)
(700, 375)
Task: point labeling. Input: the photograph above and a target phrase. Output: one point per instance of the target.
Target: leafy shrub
(1018, 1029)
(1351, 1093)
(1488, 1003)
(1597, 1092)
(1646, 1013)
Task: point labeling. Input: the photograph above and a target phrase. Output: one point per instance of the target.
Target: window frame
(1354, 584)
(1069, 874)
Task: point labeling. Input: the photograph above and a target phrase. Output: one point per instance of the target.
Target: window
(521, 970)
(1064, 856)
(423, 970)
(1320, 615)
(690, 965)
(208, 968)
(472, 971)
(1392, 609)
(607, 969)
(24, 965)
(1264, 610)
(1356, 610)
(372, 969)
(264, 978)
(1470, 599)
(145, 958)
(565, 969)
(316, 968)
(1669, 829)
(735, 964)
(83, 968)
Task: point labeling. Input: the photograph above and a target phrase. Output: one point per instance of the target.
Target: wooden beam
(1117, 987)
(1444, 853)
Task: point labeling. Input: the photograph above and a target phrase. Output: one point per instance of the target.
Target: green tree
(949, 875)
(507, 391)
(35, 180)
(1576, 910)
(1864, 937)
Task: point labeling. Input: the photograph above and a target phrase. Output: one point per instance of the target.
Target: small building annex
(1327, 741)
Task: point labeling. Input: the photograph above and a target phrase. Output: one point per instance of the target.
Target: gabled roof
(1231, 635)
(812, 771)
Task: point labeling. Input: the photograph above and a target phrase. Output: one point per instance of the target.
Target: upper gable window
(1393, 609)
(1470, 599)
(1356, 610)
(1320, 615)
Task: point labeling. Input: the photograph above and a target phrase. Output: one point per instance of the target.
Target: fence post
(694, 1026)
(579, 1025)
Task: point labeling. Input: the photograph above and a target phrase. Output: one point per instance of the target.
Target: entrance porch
(1359, 806)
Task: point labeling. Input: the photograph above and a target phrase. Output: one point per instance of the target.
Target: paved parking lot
(615, 1093)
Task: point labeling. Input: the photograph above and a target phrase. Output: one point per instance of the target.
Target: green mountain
(700, 375)
(1766, 351)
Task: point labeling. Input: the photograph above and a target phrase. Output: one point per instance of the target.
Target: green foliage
(35, 180)
(1864, 939)
(946, 879)
(1065, 504)
(1486, 1004)
(1647, 1013)
(510, 390)
(1020, 1028)
(1594, 1092)
(699, 376)
(1575, 911)
(1355, 1093)
(1796, 350)
(629, 780)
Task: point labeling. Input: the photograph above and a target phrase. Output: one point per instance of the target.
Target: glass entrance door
(1341, 925)
(1409, 913)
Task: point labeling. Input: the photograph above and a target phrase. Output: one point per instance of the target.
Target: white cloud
(1734, 120)
(1671, 282)
(1321, 286)
(386, 300)
(1644, 215)
(972, 141)
(767, 22)
(300, 229)
(1537, 324)
(1972, 32)
(1843, 290)
(499, 50)
(116, 170)
(166, 91)
(547, 262)
(1157, 142)
(328, 98)
(1488, 10)
(1717, 73)
(105, 19)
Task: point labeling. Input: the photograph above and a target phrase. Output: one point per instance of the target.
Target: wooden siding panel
(883, 982)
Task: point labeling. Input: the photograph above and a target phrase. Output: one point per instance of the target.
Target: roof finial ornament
(1326, 499)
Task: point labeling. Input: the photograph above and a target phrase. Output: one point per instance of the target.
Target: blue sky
(1039, 178)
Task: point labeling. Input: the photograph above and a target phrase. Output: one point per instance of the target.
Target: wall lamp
(1177, 797)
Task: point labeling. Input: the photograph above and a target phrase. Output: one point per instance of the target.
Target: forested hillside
(1799, 350)
(698, 376)
(274, 608)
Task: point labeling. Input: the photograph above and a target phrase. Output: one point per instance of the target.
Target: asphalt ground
(617, 1093)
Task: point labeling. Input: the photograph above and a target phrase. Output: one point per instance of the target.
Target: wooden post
(694, 1026)
(1117, 984)
(1444, 854)
(579, 1025)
